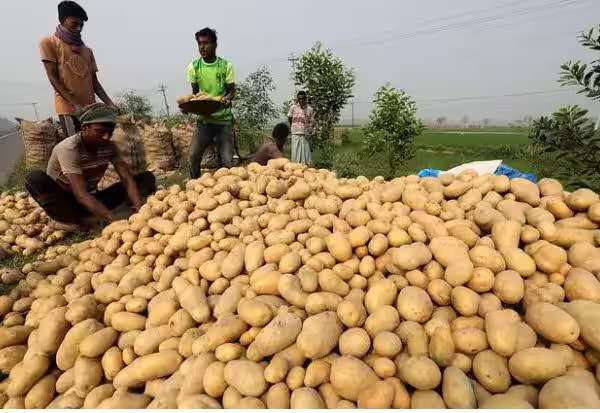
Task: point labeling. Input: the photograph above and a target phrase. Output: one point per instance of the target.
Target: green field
(471, 139)
(444, 149)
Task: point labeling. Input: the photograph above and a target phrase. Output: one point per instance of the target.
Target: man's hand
(86, 199)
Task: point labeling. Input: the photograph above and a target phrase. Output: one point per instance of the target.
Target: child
(273, 146)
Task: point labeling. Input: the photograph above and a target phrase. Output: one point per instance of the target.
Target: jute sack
(182, 140)
(38, 138)
(128, 139)
(158, 148)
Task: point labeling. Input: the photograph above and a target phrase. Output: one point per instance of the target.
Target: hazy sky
(434, 49)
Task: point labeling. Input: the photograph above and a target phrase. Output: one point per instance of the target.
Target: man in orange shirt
(71, 67)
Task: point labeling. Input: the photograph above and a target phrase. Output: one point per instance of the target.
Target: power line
(485, 97)
(466, 23)
(458, 25)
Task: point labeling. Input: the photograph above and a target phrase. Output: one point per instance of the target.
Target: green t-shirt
(211, 78)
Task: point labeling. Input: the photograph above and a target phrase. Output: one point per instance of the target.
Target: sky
(454, 57)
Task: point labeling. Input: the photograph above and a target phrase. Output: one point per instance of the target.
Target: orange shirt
(76, 67)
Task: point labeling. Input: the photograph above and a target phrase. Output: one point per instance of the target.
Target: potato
(552, 323)
(411, 257)
(25, 374)
(587, 315)
(491, 371)
(414, 304)
(426, 399)
(41, 394)
(509, 287)
(457, 390)
(69, 348)
(11, 356)
(275, 336)
(245, 376)
(98, 343)
(148, 367)
(465, 301)
(378, 396)
(343, 372)
(470, 340)
(536, 365)
(502, 329)
(88, 375)
(505, 401)
(421, 373)
(319, 334)
(354, 342)
(194, 378)
(566, 392)
(582, 285)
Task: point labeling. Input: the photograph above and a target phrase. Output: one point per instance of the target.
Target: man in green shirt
(214, 76)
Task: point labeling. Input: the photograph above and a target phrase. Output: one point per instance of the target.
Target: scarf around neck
(67, 36)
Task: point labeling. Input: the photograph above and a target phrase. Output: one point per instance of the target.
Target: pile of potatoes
(24, 226)
(283, 286)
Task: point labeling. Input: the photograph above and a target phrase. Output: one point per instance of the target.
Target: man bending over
(67, 191)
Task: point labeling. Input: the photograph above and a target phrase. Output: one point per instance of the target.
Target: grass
(441, 150)
(471, 139)
(16, 180)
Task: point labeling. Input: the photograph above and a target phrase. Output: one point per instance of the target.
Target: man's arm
(129, 183)
(229, 93)
(290, 112)
(86, 199)
(57, 84)
(99, 90)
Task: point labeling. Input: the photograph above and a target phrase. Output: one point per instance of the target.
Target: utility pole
(34, 105)
(293, 59)
(163, 89)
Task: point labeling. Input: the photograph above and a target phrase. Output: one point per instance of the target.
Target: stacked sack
(128, 139)
(283, 286)
(158, 148)
(38, 138)
(182, 139)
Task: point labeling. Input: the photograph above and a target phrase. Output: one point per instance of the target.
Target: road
(11, 149)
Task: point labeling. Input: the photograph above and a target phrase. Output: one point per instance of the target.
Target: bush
(393, 126)
(570, 142)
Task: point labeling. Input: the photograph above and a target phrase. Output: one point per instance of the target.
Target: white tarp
(482, 167)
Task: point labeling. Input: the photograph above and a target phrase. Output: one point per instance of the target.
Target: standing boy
(214, 76)
(70, 66)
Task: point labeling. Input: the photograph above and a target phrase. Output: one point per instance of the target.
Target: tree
(253, 106)
(465, 120)
(329, 84)
(440, 122)
(131, 103)
(486, 122)
(586, 76)
(393, 126)
(570, 139)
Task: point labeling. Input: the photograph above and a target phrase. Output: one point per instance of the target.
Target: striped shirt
(71, 157)
(302, 119)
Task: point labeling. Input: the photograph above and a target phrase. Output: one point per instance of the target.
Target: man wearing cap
(68, 189)
(70, 66)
